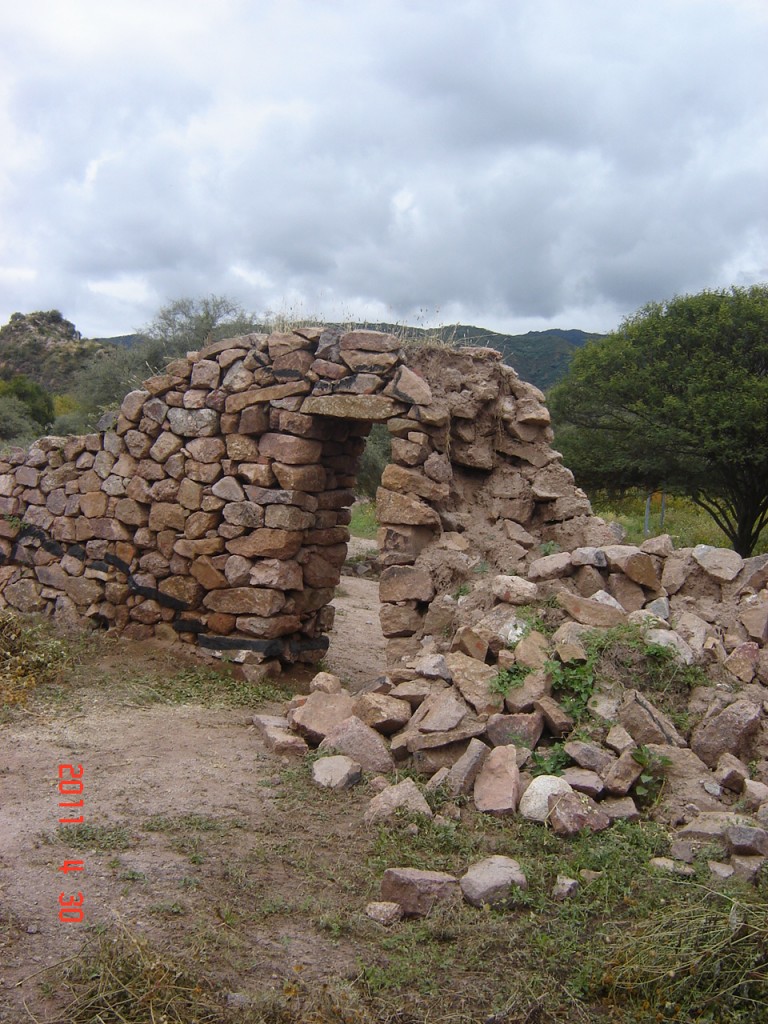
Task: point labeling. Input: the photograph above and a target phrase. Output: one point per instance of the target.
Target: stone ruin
(213, 510)
(214, 507)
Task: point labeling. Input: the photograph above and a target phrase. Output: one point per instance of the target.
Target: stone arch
(213, 508)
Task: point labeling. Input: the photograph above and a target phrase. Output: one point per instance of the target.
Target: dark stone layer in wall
(215, 507)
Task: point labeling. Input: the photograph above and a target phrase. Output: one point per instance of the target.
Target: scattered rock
(565, 888)
(497, 786)
(492, 880)
(726, 732)
(621, 808)
(534, 803)
(515, 590)
(325, 682)
(472, 678)
(571, 813)
(417, 891)
(406, 796)
(358, 741)
(645, 723)
(383, 913)
(584, 781)
(320, 713)
(590, 755)
(558, 721)
(732, 773)
(622, 775)
(720, 563)
(673, 867)
(382, 712)
(336, 772)
(460, 779)
(618, 739)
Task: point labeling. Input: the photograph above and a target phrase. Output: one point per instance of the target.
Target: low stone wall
(214, 507)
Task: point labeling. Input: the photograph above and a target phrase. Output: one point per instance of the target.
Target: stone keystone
(491, 881)
(418, 891)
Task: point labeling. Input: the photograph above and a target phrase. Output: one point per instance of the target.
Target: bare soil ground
(180, 801)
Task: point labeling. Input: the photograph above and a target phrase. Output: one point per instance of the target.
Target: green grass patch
(213, 688)
(95, 837)
(507, 679)
(363, 523)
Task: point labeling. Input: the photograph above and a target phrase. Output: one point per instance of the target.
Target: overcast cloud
(515, 164)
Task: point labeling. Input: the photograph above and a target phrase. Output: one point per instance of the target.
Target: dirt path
(356, 653)
(171, 794)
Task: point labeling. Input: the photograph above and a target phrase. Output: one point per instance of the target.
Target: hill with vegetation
(44, 348)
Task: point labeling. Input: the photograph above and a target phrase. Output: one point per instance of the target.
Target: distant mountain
(540, 357)
(121, 339)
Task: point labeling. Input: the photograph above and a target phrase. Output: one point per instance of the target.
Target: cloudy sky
(515, 164)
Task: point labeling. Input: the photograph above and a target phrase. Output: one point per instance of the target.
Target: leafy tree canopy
(16, 423)
(38, 402)
(677, 398)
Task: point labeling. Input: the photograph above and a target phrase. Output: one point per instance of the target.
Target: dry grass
(118, 978)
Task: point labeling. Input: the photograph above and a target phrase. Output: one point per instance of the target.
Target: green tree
(16, 424)
(187, 324)
(38, 402)
(677, 398)
(181, 326)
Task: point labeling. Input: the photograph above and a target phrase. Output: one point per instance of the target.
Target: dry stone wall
(214, 507)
